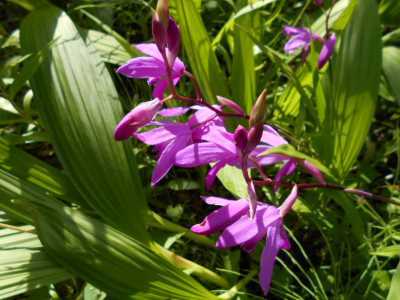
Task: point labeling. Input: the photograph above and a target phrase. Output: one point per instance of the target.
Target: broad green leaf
(35, 171)
(290, 151)
(390, 251)
(79, 106)
(23, 264)
(233, 180)
(394, 292)
(391, 69)
(29, 4)
(351, 90)
(112, 261)
(108, 47)
(199, 51)
(243, 87)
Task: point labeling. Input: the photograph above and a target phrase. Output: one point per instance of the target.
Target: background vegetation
(78, 217)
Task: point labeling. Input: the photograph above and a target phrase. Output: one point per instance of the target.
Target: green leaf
(391, 69)
(289, 150)
(394, 292)
(112, 261)
(233, 180)
(351, 89)
(108, 47)
(23, 264)
(79, 106)
(243, 87)
(199, 51)
(390, 251)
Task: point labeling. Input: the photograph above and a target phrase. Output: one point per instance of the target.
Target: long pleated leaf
(351, 91)
(80, 108)
(198, 48)
(112, 261)
(23, 264)
(243, 80)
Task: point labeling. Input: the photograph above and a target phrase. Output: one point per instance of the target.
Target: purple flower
(153, 68)
(327, 50)
(224, 148)
(240, 230)
(300, 38)
(138, 117)
(169, 138)
(319, 2)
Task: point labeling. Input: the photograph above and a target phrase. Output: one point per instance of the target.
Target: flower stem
(240, 285)
(331, 186)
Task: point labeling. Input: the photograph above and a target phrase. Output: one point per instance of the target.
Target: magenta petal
(167, 158)
(290, 31)
(212, 174)
(173, 40)
(173, 112)
(276, 240)
(314, 171)
(327, 50)
(217, 201)
(246, 229)
(294, 44)
(142, 67)
(289, 201)
(286, 170)
(221, 217)
(163, 134)
(150, 49)
(159, 88)
(200, 154)
(272, 137)
(136, 118)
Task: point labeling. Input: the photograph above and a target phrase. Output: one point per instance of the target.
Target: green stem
(159, 222)
(240, 285)
(190, 267)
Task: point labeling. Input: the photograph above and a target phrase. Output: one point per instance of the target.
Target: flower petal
(221, 217)
(167, 158)
(212, 174)
(200, 154)
(246, 229)
(272, 137)
(159, 88)
(286, 170)
(163, 134)
(314, 171)
(217, 201)
(276, 240)
(142, 67)
(150, 49)
(289, 201)
(327, 50)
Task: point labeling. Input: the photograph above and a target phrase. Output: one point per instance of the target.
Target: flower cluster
(204, 140)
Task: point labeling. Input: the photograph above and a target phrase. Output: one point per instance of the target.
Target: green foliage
(351, 90)
(78, 101)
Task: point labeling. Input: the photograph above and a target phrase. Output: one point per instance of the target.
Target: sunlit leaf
(199, 51)
(391, 69)
(351, 89)
(79, 106)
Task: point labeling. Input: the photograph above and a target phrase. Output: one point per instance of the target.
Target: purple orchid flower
(222, 148)
(169, 138)
(327, 50)
(153, 68)
(137, 118)
(300, 38)
(240, 230)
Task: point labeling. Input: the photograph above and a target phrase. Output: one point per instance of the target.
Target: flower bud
(138, 117)
(162, 12)
(240, 137)
(319, 2)
(159, 33)
(254, 137)
(173, 41)
(259, 111)
(231, 105)
(327, 50)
